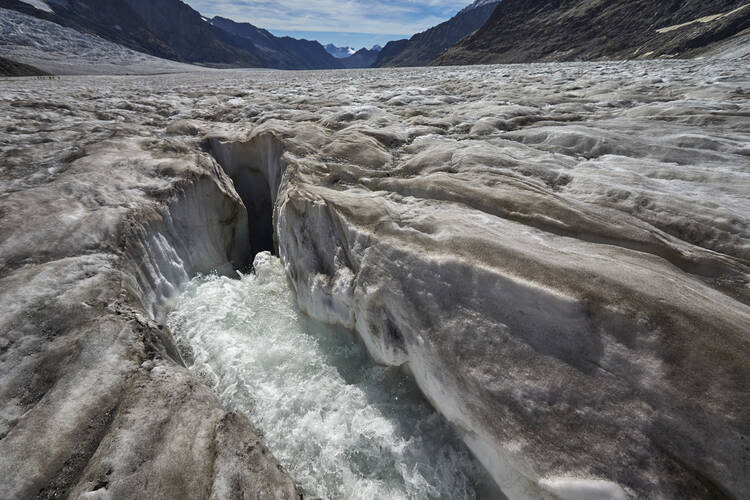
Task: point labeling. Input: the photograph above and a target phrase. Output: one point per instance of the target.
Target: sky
(354, 23)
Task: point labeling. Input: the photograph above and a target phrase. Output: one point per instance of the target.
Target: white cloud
(379, 16)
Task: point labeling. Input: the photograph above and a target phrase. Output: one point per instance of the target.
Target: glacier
(60, 50)
(558, 254)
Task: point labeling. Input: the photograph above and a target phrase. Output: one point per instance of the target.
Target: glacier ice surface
(557, 252)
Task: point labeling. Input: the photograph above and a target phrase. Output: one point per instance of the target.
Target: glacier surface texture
(558, 256)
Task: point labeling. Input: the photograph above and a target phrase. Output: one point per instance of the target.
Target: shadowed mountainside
(391, 50)
(363, 58)
(13, 68)
(171, 29)
(569, 30)
(423, 47)
(280, 52)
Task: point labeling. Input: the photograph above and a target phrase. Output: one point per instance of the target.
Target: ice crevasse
(543, 338)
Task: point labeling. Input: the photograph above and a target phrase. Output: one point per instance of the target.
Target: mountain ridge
(422, 48)
(363, 58)
(570, 30)
(171, 29)
(280, 52)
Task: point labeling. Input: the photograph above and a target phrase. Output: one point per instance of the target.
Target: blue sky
(357, 23)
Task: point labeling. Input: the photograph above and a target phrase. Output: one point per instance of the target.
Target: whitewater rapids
(344, 427)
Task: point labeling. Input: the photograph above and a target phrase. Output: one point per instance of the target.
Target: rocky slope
(171, 29)
(168, 29)
(363, 58)
(192, 38)
(559, 254)
(280, 52)
(100, 19)
(423, 48)
(391, 50)
(571, 30)
(13, 68)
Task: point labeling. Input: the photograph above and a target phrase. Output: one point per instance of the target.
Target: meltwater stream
(343, 427)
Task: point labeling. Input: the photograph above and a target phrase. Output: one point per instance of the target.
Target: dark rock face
(280, 52)
(391, 50)
(423, 47)
(569, 30)
(13, 68)
(192, 38)
(363, 58)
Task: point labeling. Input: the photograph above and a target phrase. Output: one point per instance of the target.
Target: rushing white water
(343, 427)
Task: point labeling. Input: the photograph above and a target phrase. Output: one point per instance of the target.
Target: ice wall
(202, 229)
(94, 399)
(256, 170)
(552, 354)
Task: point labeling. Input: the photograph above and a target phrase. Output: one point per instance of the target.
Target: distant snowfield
(65, 51)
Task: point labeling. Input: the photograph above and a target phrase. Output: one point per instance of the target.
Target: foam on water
(342, 426)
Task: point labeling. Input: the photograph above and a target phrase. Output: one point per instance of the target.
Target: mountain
(171, 29)
(61, 50)
(349, 58)
(391, 50)
(280, 52)
(569, 30)
(363, 58)
(339, 52)
(187, 33)
(422, 48)
(164, 28)
(108, 19)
